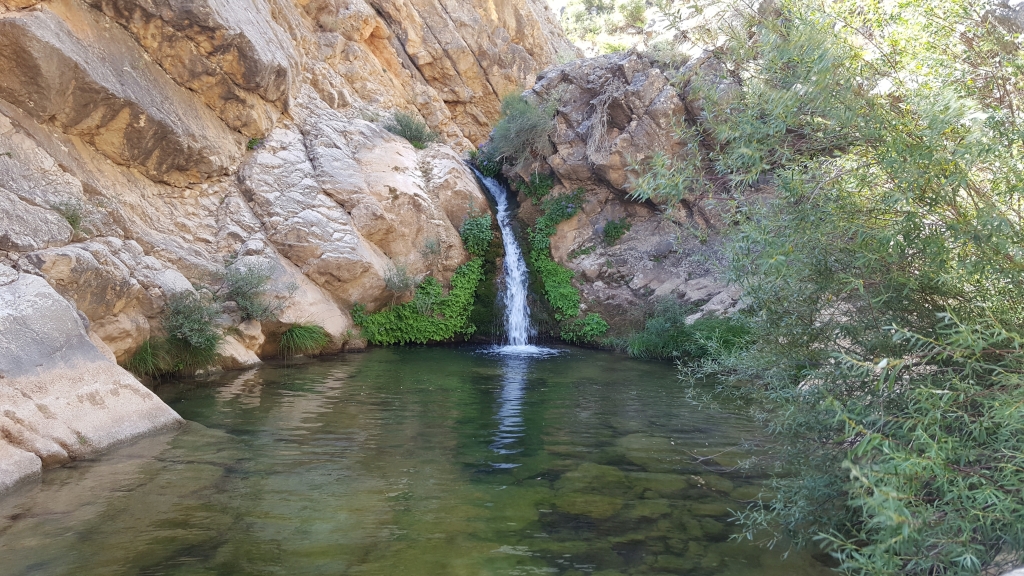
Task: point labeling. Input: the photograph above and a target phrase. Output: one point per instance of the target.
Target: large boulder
(61, 398)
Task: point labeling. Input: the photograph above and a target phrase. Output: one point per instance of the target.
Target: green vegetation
(555, 279)
(432, 316)
(191, 341)
(611, 25)
(522, 134)
(149, 360)
(304, 340)
(247, 288)
(72, 211)
(412, 129)
(487, 165)
(883, 279)
(615, 229)
(253, 143)
(476, 234)
(667, 336)
(584, 330)
(397, 279)
(537, 187)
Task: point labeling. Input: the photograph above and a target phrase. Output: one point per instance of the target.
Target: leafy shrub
(666, 335)
(253, 143)
(190, 320)
(585, 330)
(556, 279)
(191, 342)
(72, 212)
(615, 229)
(398, 280)
(432, 316)
(522, 133)
(303, 340)
(476, 234)
(537, 187)
(150, 360)
(884, 277)
(247, 288)
(412, 129)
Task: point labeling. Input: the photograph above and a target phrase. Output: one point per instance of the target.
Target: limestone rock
(613, 110)
(91, 80)
(233, 355)
(233, 54)
(61, 398)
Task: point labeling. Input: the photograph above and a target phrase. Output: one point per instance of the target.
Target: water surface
(409, 462)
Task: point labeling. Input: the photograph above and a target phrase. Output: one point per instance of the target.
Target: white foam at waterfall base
(518, 329)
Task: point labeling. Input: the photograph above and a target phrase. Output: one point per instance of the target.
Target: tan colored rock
(67, 67)
(613, 111)
(232, 54)
(122, 334)
(61, 399)
(233, 355)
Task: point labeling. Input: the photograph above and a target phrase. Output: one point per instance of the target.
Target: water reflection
(510, 407)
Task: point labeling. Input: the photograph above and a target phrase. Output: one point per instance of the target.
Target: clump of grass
(247, 288)
(304, 340)
(615, 229)
(412, 129)
(253, 143)
(73, 212)
(149, 360)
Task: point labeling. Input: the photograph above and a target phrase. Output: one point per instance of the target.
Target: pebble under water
(410, 461)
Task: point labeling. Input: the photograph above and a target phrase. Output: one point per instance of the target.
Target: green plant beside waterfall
(556, 280)
(431, 316)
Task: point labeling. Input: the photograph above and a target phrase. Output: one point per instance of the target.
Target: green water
(408, 462)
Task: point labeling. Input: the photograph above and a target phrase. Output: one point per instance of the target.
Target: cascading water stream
(517, 311)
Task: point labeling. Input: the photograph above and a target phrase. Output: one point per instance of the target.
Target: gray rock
(61, 398)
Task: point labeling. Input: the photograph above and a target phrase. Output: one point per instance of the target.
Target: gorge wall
(146, 146)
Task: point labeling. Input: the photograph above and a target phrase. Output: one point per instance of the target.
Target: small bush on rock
(247, 288)
(412, 129)
(666, 335)
(522, 133)
(537, 187)
(615, 229)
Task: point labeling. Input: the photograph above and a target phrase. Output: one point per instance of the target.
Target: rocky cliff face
(615, 112)
(147, 145)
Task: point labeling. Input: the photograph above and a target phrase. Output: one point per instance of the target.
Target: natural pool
(441, 461)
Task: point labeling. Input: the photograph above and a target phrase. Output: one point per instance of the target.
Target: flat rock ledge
(61, 397)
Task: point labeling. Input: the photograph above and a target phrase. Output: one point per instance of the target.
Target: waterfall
(517, 311)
